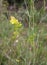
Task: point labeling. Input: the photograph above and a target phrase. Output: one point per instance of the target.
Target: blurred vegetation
(23, 42)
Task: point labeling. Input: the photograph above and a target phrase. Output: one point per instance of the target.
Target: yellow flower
(13, 20)
(15, 32)
(17, 60)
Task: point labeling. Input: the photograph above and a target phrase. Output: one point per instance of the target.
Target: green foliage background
(26, 45)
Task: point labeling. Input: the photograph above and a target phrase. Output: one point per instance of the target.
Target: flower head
(13, 20)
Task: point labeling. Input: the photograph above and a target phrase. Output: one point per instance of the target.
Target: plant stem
(44, 5)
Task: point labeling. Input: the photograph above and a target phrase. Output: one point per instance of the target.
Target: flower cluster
(13, 20)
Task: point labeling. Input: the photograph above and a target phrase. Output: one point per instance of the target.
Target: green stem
(30, 12)
(33, 37)
(44, 5)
